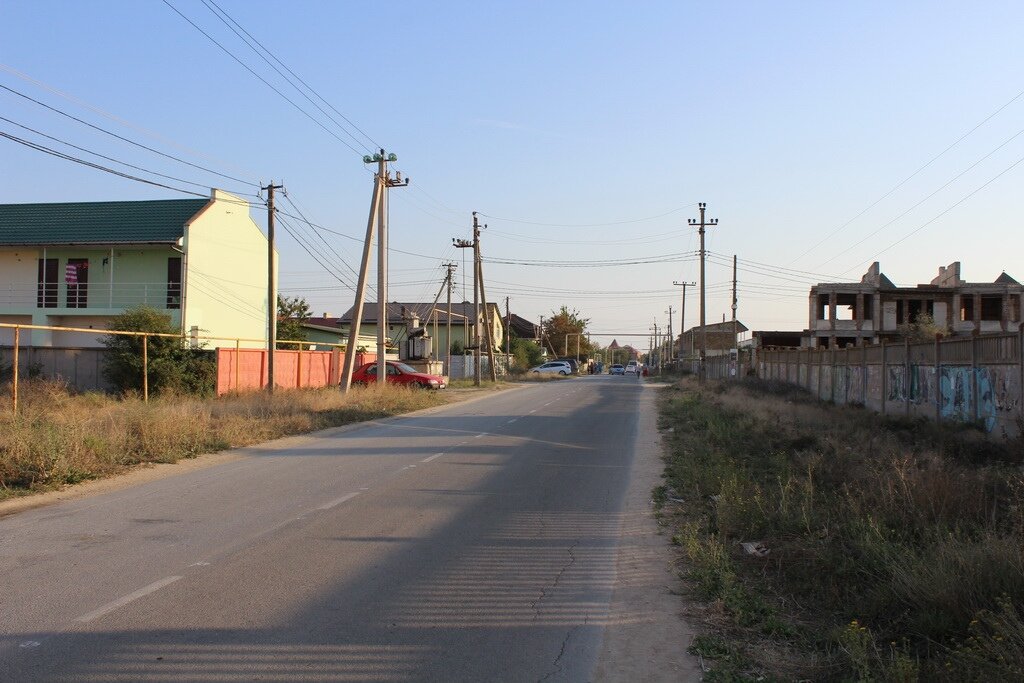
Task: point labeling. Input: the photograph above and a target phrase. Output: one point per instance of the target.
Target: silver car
(555, 367)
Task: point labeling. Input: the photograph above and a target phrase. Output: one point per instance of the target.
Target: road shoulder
(646, 636)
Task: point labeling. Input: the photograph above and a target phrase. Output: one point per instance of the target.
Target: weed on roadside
(864, 548)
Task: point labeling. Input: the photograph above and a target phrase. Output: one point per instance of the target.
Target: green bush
(172, 365)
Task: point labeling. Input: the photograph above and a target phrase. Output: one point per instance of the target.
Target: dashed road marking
(28, 644)
(338, 501)
(433, 457)
(479, 435)
(122, 601)
(512, 420)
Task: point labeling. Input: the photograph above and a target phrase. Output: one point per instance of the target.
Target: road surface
(503, 538)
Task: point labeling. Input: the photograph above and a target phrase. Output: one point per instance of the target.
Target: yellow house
(202, 262)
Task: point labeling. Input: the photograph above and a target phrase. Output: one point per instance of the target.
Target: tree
(567, 326)
(171, 363)
(526, 353)
(922, 329)
(291, 313)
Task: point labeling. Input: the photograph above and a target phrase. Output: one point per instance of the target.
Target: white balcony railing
(94, 295)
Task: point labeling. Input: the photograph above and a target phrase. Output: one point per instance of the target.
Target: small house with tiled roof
(400, 316)
(202, 262)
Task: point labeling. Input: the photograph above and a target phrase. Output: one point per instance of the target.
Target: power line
(121, 137)
(263, 80)
(588, 225)
(912, 175)
(116, 161)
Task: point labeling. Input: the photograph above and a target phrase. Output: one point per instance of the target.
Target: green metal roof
(159, 221)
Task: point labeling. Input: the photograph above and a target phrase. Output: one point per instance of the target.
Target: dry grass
(59, 438)
(896, 547)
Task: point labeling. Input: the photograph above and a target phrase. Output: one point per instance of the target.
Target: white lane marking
(122, 601)
(479, 435)
(30, 644)
(200, 564)
(433, 457)
(532, 411)
(338, 501)
(365, 488)
(512, 420)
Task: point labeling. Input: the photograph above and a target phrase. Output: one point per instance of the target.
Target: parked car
(617, 369)
(555, 367)
(573, 364)
(632, 368)
(398, 373)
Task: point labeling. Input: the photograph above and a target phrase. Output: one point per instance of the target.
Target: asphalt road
(481, 541)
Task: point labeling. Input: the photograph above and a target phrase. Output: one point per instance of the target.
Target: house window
(966, 307)
(76, 276)
(46, 288)
(174, 282)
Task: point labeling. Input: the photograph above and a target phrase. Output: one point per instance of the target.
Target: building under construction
(873, 310)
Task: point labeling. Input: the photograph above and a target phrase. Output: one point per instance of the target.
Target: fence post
(298, 369)
(1020, 361)
(145, 368)
(906, 376)
(974, 377)
(818, 363)
(885, 378)
(832, 375)
(938, 378)
(14, 370)
(864, 374)
(238, 350)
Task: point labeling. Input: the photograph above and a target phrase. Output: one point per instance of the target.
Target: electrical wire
(588, 225)
(121, 137)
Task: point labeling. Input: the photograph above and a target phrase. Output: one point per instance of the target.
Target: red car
(398, 373)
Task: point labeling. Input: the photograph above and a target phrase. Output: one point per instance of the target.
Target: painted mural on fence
(896, 383)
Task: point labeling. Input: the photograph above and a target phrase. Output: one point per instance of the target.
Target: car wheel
(562, 372)
(536, 372)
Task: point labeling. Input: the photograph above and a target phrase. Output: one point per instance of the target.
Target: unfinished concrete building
(848, 314)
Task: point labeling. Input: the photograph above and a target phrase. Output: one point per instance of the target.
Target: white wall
(18, 275)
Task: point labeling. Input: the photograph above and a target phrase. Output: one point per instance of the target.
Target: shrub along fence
(973, 379)
(238, 369)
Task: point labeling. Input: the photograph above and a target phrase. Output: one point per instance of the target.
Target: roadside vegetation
(830, 543)
(60, 438)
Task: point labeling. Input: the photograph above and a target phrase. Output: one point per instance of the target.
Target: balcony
(92, 298)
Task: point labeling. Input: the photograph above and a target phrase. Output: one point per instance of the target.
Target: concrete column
(977, 312)
(832, 310)
(858, 313)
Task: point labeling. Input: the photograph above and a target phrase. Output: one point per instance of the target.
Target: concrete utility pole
(702, 223)
(488, 323)
(735, 340)
(508, 336)
(382, 270)
(271, 289)
(682, 312)
(381, 183)
(668, 336)
(448, 324)
(477, 287)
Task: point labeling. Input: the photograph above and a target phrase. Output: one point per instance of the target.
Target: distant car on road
(398, 373)
(555, 367)
(616, 370)
(632, 368)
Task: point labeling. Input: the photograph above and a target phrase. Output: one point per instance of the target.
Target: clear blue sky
(556, 120)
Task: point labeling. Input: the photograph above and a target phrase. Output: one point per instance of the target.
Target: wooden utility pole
(508, 337)
(734, 334)
(669, 355)
(702, 223)
(271, 289)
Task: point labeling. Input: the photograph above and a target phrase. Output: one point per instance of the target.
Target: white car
(632, 368)
(555, 367)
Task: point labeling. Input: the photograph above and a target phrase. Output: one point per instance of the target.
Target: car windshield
(405, 368)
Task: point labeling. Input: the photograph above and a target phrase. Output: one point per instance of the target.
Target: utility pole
(382, 270)
(668, 352)
(448, 324)
(381, 183)
(472, 244)
(735, 340)
(682, 312)
(702, 223)
(271, 288)
(488, 324)
(508, 337)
